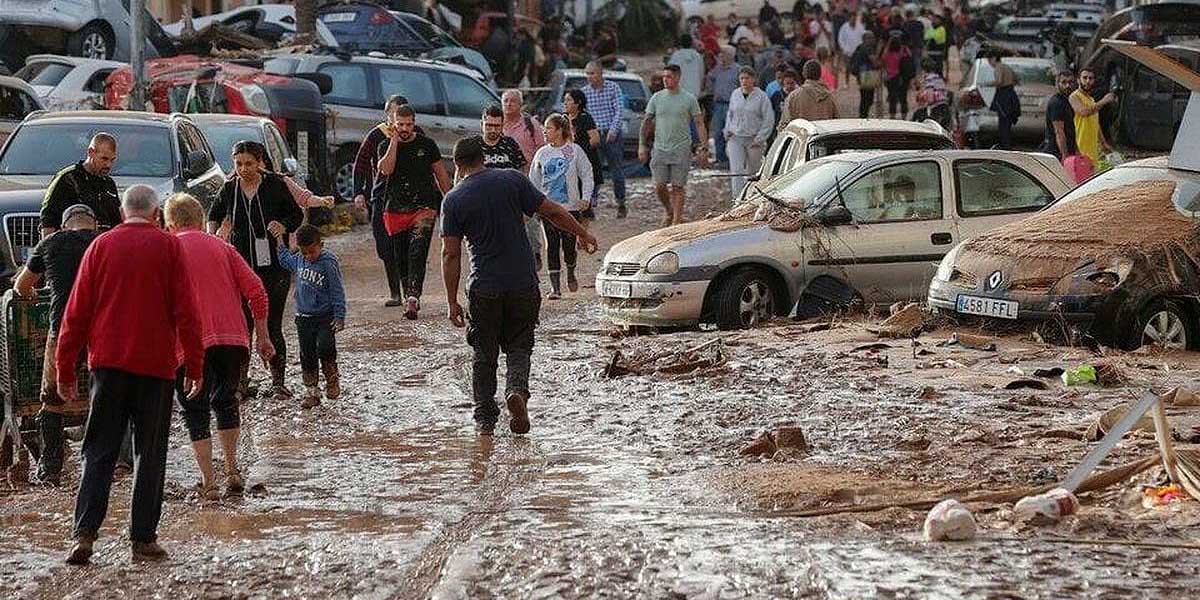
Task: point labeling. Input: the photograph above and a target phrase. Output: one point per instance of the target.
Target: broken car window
(988, 187)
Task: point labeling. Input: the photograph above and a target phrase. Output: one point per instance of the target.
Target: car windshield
(800, 187)
(1187, 186)
(222, 137)
(1027, 73)
(44, 148)
(431, 33)
(631, 91)
(362, 28)
(43, 73)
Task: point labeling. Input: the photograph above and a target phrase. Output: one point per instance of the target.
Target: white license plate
(987, 307)
(346, 17)
(616, 289)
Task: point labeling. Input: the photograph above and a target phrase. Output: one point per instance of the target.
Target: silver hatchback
(856, 227)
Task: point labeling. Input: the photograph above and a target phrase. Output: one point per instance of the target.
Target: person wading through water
(413, 180)
(250, 210)
(488, 208)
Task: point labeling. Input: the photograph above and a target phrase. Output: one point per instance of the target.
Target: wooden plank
(1159, 62)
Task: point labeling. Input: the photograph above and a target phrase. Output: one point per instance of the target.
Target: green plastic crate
(26, 324)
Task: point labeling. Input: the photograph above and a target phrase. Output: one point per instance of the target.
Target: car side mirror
(835, 215)
(198, 162)
(291, 166)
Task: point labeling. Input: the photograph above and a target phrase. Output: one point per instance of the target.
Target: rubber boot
(333, 387)
(50, 426)
(312, 394)
(395, 286)
(278, 384)
(572, 282)
(555, 285)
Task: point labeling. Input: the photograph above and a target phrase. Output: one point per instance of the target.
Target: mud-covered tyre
(1167, 324)
(93, 41)
(343, 175)
(744, 299)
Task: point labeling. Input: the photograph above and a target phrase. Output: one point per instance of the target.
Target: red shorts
(399, 222)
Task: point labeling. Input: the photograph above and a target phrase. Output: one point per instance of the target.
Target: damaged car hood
(641, 248)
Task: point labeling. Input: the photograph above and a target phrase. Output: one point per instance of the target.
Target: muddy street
(634, 486)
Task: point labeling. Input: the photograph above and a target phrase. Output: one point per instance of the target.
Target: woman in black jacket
(253, 207)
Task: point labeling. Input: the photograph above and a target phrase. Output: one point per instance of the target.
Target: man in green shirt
(669, 115)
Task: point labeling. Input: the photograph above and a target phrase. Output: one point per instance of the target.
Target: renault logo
(994, 280)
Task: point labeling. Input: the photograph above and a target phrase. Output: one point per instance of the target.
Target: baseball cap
(78, 209)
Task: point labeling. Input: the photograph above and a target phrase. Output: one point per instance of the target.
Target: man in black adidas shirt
(499, 150)
(85, 182)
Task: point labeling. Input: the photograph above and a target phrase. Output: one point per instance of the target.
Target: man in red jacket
(130, 305)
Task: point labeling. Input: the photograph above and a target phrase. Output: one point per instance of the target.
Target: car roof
(871, 157)
(20, 84)
(73, 60)
(607, 74)
(1025, 60)
(92, 117)
(387, 60)
(218, 118)
(836, 126)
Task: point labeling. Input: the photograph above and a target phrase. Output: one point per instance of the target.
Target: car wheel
(93, 41)
(343, 178)
(744, 299)
(1165, 324)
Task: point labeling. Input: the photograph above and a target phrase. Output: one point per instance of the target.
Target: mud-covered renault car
(859, 226)
(1118, 259)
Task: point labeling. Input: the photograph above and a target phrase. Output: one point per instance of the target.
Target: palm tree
(306, 21)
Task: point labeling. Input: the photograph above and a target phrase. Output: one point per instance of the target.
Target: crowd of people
(163, 299)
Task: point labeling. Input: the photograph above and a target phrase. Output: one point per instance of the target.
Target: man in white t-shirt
(691, 65)
(821, 29)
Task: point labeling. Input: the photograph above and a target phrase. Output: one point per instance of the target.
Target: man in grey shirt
(668, 114)
(721, 81)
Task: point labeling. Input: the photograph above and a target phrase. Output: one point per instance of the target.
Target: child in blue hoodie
(320, 310)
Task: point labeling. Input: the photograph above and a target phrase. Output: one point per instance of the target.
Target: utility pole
(137, 54)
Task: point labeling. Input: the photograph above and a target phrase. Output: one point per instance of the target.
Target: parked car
(1035, 87)
(1116, 258)
(1150, 107)
(192, 84)
(275, 23)
(443, 46)
(68, 82)
(449, 100)
(1080, 10)
(854, 227)
(87, 28)
(17, 101)
(633, 89)
(167, 152)
(803, 140)
(224, 131)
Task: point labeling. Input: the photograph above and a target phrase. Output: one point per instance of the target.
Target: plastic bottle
(1053, 505)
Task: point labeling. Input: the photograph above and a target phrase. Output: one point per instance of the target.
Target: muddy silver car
(855, 227)
(803, 140)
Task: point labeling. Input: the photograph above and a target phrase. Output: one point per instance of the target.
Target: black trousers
(410, 250)
(500, 321)
(1004, 125)
(222, 373)
(897, 88)
(278, 283)
(865, 99)
(556, 239)
(120, 399)
(317, 342)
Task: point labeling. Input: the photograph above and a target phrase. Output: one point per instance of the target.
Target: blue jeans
(614, 156)
(716, 132)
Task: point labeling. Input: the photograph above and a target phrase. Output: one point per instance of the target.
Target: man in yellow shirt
(1089, 136)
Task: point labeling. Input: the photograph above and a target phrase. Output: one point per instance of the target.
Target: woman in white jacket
(748, 124)
(561, 170)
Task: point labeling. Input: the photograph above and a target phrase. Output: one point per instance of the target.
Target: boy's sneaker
(333, 387)
(518, 413)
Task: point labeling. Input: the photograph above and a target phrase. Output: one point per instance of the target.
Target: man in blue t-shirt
(488, 207)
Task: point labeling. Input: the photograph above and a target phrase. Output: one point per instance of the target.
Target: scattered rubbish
(1182, 397)
(914, 444)
(949, 520)
(872, 347)
(1048, 507)
(789, 439)
(1154, 497)
(703, 356)
(1079, 375)
(815, 327)
(928, 393)
(1026, 384)
(1110, 375)
(973, 342)
(905, 322)
(1015, 371)
(1050, 373)
(1107, 421)
(1045, 475)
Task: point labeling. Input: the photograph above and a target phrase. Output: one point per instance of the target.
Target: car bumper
(651, 303)
(1037, 306)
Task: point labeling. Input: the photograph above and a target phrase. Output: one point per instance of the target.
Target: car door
(353, 101)
(991, 192)
(280, 154)
(423, 92)
(206, 184)
(466, 99)
(902, 226)
(15, 104)
(1149, 110)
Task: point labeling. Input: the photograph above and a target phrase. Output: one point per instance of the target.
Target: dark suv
(166, 152)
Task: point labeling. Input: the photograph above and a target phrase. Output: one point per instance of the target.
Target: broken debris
(704, 356)
(971, 342)
(787, 439)
(905, 322)
(949, 520)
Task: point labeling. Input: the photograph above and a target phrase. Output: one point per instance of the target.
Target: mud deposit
(634, 486)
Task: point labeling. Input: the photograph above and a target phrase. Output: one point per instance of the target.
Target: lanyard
(261, 218)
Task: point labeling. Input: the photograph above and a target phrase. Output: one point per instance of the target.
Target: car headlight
(946, 267)
(665, 263)
(256, 99)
